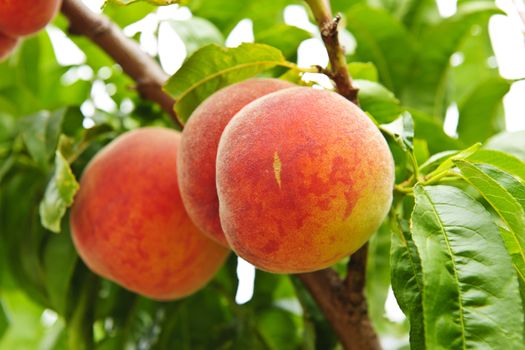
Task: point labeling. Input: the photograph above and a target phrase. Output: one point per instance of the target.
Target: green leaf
(407, 279)
(509, 142)
(402, 130)
(59, 194)
(382, 40)
(506, 206)
(226, 14)
(378, 276)
(277, 328)
(196, 32)
(375, 99)
(429, 73)
(363, 71)
(507, 181)
(59, 260)
(501, 160)
(40, 133)
(284, 37)
(126, 15)
(446, 163)
(469, 289)
(479, 111)
(214, 67)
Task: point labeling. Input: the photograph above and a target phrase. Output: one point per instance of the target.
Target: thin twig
(147, 74)
(329, 28)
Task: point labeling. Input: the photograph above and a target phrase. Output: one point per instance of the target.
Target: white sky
(506, 33)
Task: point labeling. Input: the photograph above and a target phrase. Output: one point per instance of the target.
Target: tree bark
(344, 304)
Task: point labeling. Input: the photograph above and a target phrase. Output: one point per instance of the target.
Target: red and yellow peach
(198, 149)
(304, 178)
(129, 224)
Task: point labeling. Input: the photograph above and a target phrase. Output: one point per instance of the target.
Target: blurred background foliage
(405, 57)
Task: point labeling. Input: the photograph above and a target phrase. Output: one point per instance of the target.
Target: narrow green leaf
(59, 194)
(40, 133)
(378, 276)
(478, 112)
(470, 293)
(505, 204)
(434, 161)
(407, 280)
(214, 67)
(448, 162)
(59, 260)
(501, 160)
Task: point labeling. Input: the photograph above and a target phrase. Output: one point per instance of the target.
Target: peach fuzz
(198, 149)
(7, 45)
(22, 17)
(304, 178)
(129, 224)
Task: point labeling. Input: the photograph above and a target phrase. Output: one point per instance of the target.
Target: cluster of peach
(292, 179)
(21, 18)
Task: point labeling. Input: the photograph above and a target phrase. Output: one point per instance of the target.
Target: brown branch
(345, 310)
(147, 74)
(328, 26)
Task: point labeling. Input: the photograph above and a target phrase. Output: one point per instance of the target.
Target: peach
(304, 178)
(198, 149)
(7, 45)
(129, 224)
(22, 17)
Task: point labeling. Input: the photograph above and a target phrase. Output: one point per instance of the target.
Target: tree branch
(328, 26)
(346, 312)
(137, 64)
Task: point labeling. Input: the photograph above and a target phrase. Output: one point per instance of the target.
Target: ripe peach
(7, 45)
(304, 178)
(129, 224)
(22, 17)
(198, 149)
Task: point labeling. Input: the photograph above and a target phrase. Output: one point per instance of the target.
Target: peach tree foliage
(452, 247)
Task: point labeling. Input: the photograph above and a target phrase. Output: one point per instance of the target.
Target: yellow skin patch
(277, 168)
